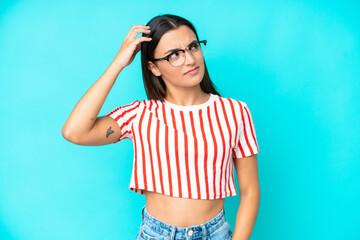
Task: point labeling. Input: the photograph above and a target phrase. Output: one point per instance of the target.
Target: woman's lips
(193, 71)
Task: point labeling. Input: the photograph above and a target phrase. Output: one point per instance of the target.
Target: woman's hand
(131, 46)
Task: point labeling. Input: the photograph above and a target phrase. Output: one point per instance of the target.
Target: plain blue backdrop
(296, 64)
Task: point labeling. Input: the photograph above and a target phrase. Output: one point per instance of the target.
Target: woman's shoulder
(138, 102)
(233, 100)
(149, 102)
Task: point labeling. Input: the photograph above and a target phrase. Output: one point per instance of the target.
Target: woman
(187, 139)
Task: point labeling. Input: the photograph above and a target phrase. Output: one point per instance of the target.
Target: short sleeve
(246, 143)
(124, 116)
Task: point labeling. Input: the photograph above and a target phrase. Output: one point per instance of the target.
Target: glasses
(177, 58)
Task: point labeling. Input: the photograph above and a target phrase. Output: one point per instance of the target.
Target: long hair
(155, 86)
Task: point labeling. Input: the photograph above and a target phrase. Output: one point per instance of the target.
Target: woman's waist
(182, 212)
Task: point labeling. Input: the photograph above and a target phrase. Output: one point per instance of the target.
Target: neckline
(191, 107)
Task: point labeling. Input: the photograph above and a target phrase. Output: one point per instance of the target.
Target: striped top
(187, 151)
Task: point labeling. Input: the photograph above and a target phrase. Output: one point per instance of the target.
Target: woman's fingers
(131, 45)
(134, 30)
(142, 39)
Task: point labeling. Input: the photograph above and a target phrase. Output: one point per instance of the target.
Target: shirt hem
(140, 190)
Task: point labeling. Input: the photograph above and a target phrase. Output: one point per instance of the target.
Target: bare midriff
(182, 212)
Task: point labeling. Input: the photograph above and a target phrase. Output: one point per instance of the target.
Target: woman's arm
(84, 115)
(83, 127)
(247, 175)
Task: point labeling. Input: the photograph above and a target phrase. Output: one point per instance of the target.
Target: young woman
(187, 138)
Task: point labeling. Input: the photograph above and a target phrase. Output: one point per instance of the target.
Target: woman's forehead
(177, 38)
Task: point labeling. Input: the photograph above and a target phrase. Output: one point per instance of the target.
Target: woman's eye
(174, 55)
(195, 46)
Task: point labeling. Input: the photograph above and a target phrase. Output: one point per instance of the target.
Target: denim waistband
(194, 231)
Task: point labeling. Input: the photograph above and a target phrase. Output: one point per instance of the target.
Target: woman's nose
(189, 58)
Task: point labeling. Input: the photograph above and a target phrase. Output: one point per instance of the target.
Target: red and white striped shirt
(187, 151)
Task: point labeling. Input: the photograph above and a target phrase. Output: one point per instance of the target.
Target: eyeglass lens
(178, 58)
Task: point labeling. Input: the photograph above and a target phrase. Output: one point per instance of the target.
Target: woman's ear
(152, 67)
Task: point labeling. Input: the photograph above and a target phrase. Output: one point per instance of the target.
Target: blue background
(296, 64)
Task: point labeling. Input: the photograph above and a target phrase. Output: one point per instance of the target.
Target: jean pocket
(230, 232)
(221, 233)
(145, 232)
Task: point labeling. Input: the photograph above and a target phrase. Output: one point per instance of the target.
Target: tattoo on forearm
(109, 131)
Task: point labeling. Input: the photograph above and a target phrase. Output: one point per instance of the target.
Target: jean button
(190, 232)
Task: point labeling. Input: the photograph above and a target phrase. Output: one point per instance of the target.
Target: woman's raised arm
(84, 127)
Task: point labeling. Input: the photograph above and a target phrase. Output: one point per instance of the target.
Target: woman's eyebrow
(179, 48)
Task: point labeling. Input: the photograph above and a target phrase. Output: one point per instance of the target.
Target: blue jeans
(153, 229)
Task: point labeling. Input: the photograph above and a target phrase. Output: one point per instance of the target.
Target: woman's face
(175, 77)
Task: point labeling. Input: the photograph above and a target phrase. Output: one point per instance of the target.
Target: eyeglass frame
(183, 50)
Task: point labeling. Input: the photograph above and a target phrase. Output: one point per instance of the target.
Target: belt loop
(172, 234)
(142, 212)
(204, 232)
